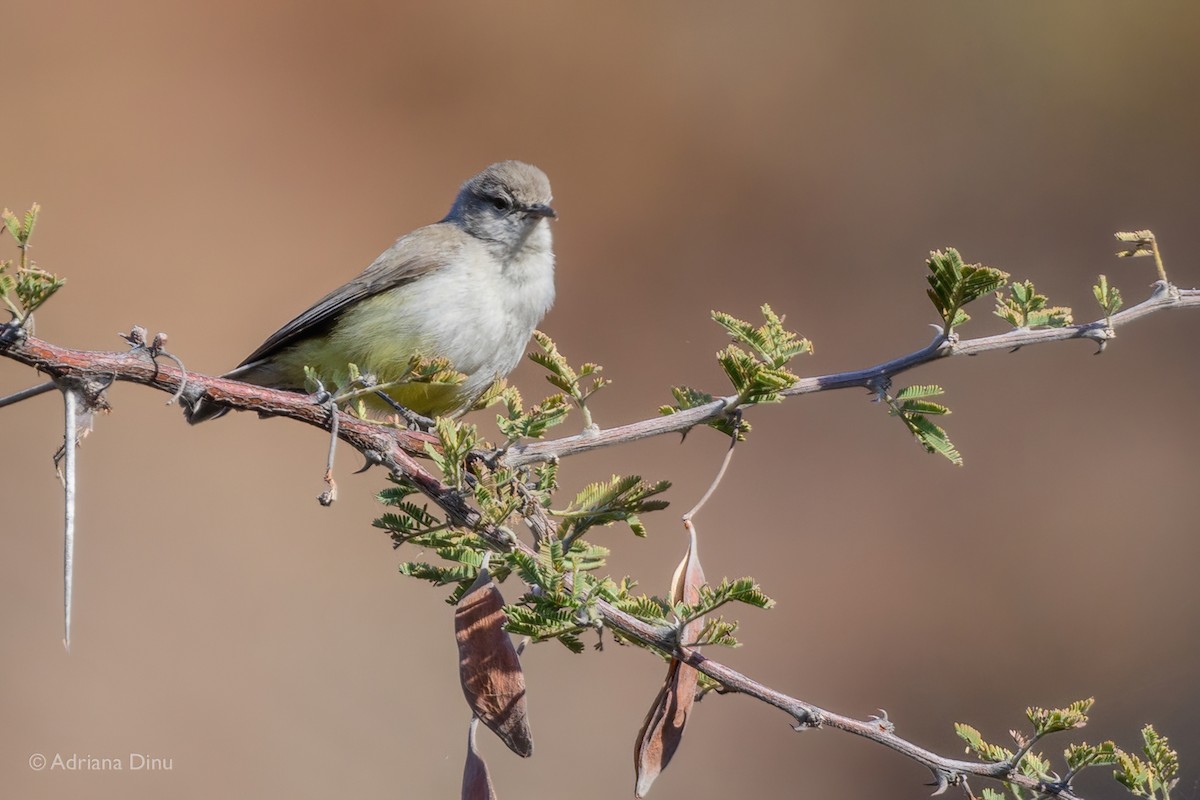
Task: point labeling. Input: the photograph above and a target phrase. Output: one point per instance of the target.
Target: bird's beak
(541, 210)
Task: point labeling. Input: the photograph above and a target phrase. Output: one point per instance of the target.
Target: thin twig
(25, 394)
(1164, 297)
(807, 715)
(327, 497)
(712, 487)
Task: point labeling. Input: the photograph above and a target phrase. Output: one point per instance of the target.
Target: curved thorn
(943, 782)
(71, 403)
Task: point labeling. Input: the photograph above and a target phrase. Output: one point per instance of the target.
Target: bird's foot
(414, 421)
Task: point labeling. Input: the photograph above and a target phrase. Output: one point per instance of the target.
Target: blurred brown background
(210, 169)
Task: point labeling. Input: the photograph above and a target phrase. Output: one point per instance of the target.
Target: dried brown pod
(476, 783)
(489, 667)
(662, 731)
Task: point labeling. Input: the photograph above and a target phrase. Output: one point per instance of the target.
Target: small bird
(470, 289)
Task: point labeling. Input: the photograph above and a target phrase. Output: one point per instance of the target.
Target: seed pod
(663, 729)
(489, 667)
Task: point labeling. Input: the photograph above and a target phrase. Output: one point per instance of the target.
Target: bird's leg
(365, 383)
(415, 421)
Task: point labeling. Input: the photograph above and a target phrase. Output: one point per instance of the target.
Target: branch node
(91, 389)
(1101, 334)
(882, 722)
(136, 337)
(941, 339)
(1163, 289)
(806, 719)
(155, 348)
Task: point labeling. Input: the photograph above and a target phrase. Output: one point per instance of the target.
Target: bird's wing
(420, 252)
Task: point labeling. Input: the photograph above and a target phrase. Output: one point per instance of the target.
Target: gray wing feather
(416, 254)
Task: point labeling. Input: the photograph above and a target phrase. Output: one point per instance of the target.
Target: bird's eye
(501, 203)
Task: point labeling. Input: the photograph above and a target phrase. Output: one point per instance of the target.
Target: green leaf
(571, 642)
(31, 217)
(410, 522)
(717, 631)
(754, 381)
(620, 499)
(546, 483)
(431, 370)
(497, 492)
(1033, 765)
(1081, 755)
(971, 736)
(760, 374)
(534, 424)
(457, 440)
(34, 287)
(495, 392)
(312, 380)
(687, 397)
(909, 404)
(1163, 760)
(398, 492)
(554, 612)
(1137, 243)
(1047, 721)
(12, 224)
(587, 557)
(741, 590)
(1153, 778)
(463, 576)
(933, 438)
(1109, 297)
(562, 375)
(919, 391)
(981, 748)
(924, 407)
(953, 284)
(1025, 308)
(773, 344)
(652, 610)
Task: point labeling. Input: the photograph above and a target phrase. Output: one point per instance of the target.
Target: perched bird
(470, 289)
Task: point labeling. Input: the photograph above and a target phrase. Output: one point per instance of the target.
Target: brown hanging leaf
(476, 783)
(663, 729)
(489, 667)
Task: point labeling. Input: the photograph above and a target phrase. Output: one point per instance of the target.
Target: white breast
(487, 309)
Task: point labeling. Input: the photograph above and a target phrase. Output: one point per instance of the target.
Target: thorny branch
(396, 450)
(1165, 296)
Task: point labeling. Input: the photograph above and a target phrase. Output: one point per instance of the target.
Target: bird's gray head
(505, 205)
